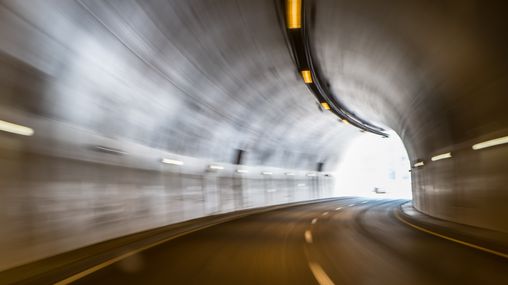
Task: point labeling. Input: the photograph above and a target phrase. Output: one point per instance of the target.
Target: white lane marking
(338, 208)
(351, 205)
(320, 275)
(364, 202)
(314, 221)
(325, 213)
(308, 236)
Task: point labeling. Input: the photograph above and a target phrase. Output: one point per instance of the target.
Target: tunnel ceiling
(198, 78)
(434, 71)
(204, 78)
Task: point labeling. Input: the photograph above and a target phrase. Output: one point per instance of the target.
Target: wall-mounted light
(215, 167)
(266, 173)
(419, 164)
(441, 156)
(294, 14)
(109, 150)
(490, 143)
(307, 76)
(242, 171)
(171, 161)
(15, 129)
(311, 174)
(289, 174)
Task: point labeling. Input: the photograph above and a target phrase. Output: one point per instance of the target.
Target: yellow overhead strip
(325, 105)
(294, 14)
(307, 77)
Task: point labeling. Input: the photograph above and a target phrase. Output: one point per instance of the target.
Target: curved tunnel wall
(112, 87)
(436, 73)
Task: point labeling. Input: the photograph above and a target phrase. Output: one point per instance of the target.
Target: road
(345, 241)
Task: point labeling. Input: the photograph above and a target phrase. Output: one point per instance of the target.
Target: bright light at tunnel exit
(372, 163)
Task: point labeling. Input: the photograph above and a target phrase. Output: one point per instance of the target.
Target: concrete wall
(50, 205)
(435, 72)
(471, 188)
(145, 80)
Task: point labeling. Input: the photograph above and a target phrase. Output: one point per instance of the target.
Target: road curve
(345, 241)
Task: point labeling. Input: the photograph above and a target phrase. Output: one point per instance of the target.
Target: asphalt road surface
(346, 241)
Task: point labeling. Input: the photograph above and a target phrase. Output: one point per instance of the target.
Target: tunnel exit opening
(375, 167)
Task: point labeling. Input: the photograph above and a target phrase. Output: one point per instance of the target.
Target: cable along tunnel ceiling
(198, 78)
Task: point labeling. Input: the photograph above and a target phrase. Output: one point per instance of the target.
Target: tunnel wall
(112, 87)
(49, 205)
(471, 188)
(436, 73)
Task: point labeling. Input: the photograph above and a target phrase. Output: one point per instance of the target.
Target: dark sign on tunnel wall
(239, 157)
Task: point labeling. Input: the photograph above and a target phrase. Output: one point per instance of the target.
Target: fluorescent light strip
(215, 167)
(442, 156)
(289, 174)
(171, 161)
(266, 173)
(311, 174)
(242, 170)
(294, 14)
(15, 129)
(418, 164)
(490, 143)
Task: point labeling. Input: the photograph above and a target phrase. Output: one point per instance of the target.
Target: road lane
(346, 241)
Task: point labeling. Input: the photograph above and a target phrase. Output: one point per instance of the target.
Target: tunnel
(197, 142)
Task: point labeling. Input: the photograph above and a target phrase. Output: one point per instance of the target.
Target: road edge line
(484, 249)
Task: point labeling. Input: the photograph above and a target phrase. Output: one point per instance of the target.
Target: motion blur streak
(126, 122)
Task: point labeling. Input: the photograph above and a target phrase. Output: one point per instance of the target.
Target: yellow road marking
(397, 215)
(314, 221)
